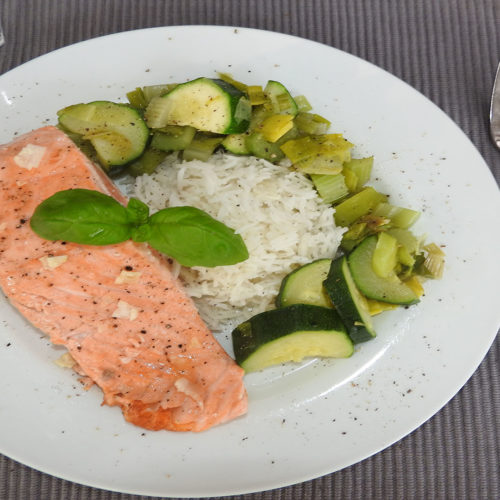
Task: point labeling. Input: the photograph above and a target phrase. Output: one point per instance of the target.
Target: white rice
(277, 212)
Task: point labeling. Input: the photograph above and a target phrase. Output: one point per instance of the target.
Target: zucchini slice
(209, 105)
(391, 289)
(305, 285)
(117, 131)
(281, 99)
(348, 301)
(290, 334)
(236, 144)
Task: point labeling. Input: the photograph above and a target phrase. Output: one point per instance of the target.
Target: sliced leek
(400, 217)
(357, 205)
(331, 188)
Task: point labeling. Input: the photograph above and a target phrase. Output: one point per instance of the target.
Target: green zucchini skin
(348, 301)
(305, 285)
(276, 90)
(290, 334)
(373, 286)
(208, 105)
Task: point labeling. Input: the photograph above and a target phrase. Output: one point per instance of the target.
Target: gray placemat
(446, 49)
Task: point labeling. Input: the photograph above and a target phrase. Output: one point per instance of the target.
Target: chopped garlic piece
(53, 262)
(194, 343)
(188, 388)
(127, 277)
(21, 183)
(125, 310)
(3, 225)
(30, 156)
(65, 361)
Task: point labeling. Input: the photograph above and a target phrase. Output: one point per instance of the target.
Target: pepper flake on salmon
(137, 336)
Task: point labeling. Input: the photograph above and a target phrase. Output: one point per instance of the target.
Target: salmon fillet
(119, 311)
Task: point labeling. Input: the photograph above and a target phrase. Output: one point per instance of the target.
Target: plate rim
(466, 376)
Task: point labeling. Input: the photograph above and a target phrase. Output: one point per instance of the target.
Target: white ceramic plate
(303, 421)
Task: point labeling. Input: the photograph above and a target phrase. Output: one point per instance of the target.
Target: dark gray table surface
(446, 49)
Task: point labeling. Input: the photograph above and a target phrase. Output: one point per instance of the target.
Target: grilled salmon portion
(118, 309)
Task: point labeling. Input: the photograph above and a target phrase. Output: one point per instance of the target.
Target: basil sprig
(187, 234)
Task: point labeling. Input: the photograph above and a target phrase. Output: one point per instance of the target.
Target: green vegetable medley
(323, 308)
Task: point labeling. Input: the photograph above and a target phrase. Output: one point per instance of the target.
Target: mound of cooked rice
(277, 211)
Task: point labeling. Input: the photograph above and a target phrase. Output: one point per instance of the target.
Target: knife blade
(495, 110)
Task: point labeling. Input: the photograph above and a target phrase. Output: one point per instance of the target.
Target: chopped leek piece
(276, 126)
(384, 257)
(147, 162)
(136, 98)
(310, 123)
(201, 148)
(405, 238)
(376, 307)
(362, 168)
(349, 245)
(357, 205)
(405, 257)
(312, 146)
(256, 95)
(258, 146)
(414, 283)
(327, 163)
(400, 217)
(173, 138)
(318, 154)
(433, 265)
(259, 114)
(331, 188)
(375, 223)
(302, 103)
(151, 91)
(235, 83)
(351, 179)
(355, 231)
(405, 218)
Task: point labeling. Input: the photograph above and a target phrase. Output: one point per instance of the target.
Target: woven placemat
(448, 50)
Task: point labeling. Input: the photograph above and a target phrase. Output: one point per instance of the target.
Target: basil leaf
(138, 212)
(82, 216)
(141, 233)
(92, 218)
(193, 238)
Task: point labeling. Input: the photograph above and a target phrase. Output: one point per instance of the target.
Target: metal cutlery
(2, 38)
(495, 110)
